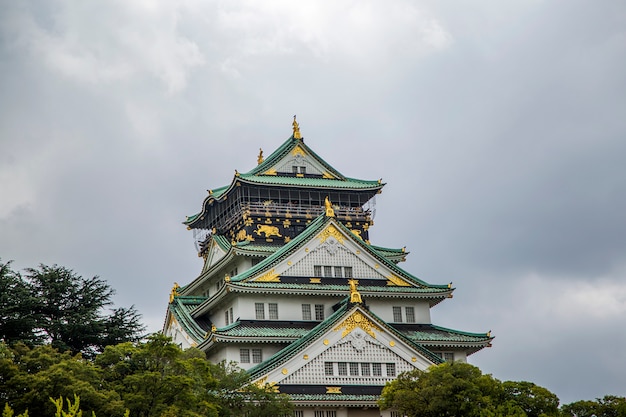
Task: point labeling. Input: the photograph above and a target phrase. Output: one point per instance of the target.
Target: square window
(347, 271)
(302, 170)
(319, 312)
(328, 271)
(306, 311)
(273, 311)
(410, 314)
(244, 355)
(342, 368)
(259, 309)
(365, 369)
(448, 356)
(257, 355)
(397, 314)
(377, 369)
(338, 272)
(328, 368)
(294, 169)
(317, 270)
(391, 369)
(354, 369)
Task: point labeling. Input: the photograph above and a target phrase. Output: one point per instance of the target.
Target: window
(347, 271)
(294, 169)
(354, 369)
(365, 369)
(319, 311)
(306, 311)
(410, 314)
(391, 369)
(377, 369)
(328, 271)
(317, 270)
(244, 355)
(257, 355)
(226, 318)
(448, 356)
(331, 413)
(397, 314)
(338, 273)
(342, 368)
(259, 308)
(273, 311)
(328, 368)
(298, 413)
(230, 313)
(302, 170)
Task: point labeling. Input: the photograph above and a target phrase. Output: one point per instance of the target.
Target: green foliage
(455, 389)
(608, 406)
(51, 304)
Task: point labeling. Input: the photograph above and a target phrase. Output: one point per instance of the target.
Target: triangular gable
(327, 242)
(294, 152)
(214, 254)
(351, 335)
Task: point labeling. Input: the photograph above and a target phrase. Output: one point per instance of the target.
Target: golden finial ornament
(213, 328)
(260, 157)
(329, 208)
(296, 129)
(174, 292)
(355, 296)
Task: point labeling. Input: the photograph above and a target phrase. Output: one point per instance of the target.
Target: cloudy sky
(499, 128)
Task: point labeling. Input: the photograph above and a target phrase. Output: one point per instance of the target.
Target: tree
(608, 406)
(67, 311)
(460, 389)
(17, 308)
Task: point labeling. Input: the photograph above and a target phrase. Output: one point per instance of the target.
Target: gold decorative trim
(271, 171)
(330, 212)
(174, 293)
(330, 231)
(259, 159)
(284, 371)
(392, 343)
(270, 276)
(333, 390)
(399, 282)
(298, 151)
(326, 342)
(356, 232)
(305, 357)
(413, 359)
(355, 296)
(355, 320)
(315, 280)
(328, 175)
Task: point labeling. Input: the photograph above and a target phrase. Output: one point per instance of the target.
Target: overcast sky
(498, 126)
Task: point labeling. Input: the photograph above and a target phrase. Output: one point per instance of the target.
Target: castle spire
(296, 129)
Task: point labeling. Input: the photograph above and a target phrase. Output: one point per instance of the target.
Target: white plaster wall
(384, 309)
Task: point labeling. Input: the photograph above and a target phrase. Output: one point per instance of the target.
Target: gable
(332, 247)
(356, 338)
(213, 255)
(302, 160)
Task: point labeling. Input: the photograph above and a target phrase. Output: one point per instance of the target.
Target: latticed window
(347, 271)
(259, 309)
(257, 355)
(397, 314)
(328, 368)
(448, 356)
(317, 270)
(331, 413)
(377, 369)
(226, 318)
(342, 368)
(391, 369)
(410, 314)
(298, 413)
(328, 271)
(273, 310)
(354, 369)
(306, 311)
(338, 272)
(365, 369)
(244, 355)
(319, 311)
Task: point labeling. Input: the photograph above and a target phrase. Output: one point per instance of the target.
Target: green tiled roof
(441, 334)
(181, 308)
(335, 287)
(335, 397)
(348, 183)
(246, 330)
